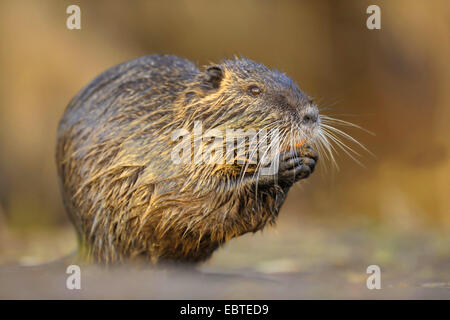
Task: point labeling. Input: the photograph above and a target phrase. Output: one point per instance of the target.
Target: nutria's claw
(309, 152)
(293, 166)
(298, 164)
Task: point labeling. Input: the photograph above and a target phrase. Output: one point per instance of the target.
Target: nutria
(127, 198)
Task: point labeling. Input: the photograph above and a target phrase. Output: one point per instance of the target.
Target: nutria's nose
(309, 117)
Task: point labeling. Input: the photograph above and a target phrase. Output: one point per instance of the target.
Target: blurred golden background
(393, 82)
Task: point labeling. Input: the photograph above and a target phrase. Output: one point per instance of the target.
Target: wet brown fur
(127, 199)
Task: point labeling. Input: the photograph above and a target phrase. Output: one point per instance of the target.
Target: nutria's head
(242, 94)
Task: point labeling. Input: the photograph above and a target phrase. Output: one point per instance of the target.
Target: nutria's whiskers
(329, 134)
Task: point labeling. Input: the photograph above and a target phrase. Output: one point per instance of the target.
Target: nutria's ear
(213, 77)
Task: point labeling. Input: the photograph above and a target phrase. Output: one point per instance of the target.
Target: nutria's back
(124, 193)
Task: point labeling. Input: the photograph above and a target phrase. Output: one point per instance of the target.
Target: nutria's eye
(254, 90)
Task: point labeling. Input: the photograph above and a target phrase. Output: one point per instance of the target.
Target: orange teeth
(301, 143)
(297, 145)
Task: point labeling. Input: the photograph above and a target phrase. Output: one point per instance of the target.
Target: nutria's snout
(310, 116)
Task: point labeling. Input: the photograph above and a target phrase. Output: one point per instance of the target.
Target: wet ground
(298, 259)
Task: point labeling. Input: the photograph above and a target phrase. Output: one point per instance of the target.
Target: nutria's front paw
(297, 165)
(292, 167)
